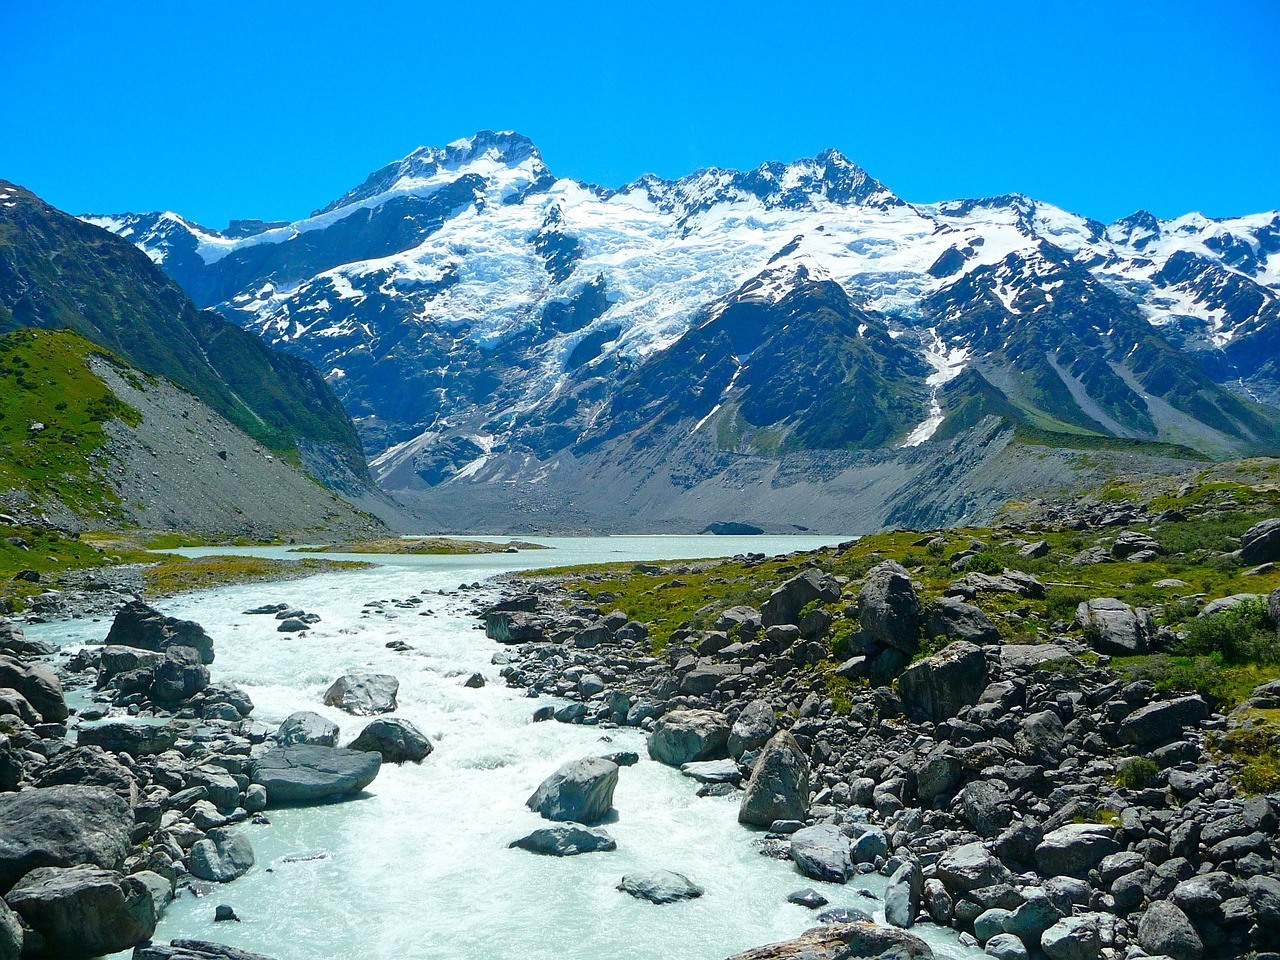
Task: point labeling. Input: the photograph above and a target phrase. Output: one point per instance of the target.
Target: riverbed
(418, 868)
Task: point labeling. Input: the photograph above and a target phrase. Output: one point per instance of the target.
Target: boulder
(682, 736)
(779, 784)
(308, 728)
(1164, 930)
(1273, 606)
(15, 643)
(114, 661)
(1261, 543)
(508, 626)
(60, 827)
(1072, 938)
(888, 608)
(970, 866)
(904, 895)
(395, 740)
(822, 853)
(134, 737)
(845, 941)
(937, 687)
(566, 841)
(785, 603)
(138, 625)
(581, 791)
(1131, 542)
(310, 774)
(38, 686)
(363, 694)
(179, 676)
(954, 619)
(1112, 626)
(660, 886)
(1007, 946)
(1160, 723)
(90, 767)
(1075, 849)
(753, 728)
(193, 950)
(11, 934)
(83, 911)
(223, 855)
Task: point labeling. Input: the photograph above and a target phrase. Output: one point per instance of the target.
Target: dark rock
(134, 737)
(38, 686)
(83, 911)
(363, 694)
(808, 897)
(395, 740)
(566, 841)
(1164, 930)
(60, 827)
(660, 886)
(786, 602)
(779, 784)
(937, 687)
(179, 676)
(311, 774)
(753, 728)
(1112, 626)
(904, 895)
(138, 625)
(1261, 543)
(90, 767)
(1075, 849)
(888, 608)
(822, 853)
(683, 736)
(951, 617)
(581, 790)
(193, 950)
(845, 941)
(970, 867)
(1160, 723)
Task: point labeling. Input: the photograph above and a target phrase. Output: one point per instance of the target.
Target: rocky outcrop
(309, 774)
(363, 694)
(779, 784)
(581, 791)
(394, 739)
(139, 625)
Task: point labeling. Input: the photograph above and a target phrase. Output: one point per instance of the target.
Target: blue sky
(272, 108)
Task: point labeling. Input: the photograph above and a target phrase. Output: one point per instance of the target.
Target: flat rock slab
(306, 773)
(712, 771)
(660, 886)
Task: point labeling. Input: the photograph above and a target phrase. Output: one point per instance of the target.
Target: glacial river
(418, 868)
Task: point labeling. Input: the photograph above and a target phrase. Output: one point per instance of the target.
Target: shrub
(985, 562)
(1240, 635)
(1137, 773)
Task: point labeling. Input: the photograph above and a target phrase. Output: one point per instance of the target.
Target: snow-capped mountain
(481, 317)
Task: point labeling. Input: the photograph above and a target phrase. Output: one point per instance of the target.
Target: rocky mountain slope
(494, 328)
(93, 443)
(57, 271)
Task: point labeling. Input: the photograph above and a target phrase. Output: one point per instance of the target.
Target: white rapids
(418, 868)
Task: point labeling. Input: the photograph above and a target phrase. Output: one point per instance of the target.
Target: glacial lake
(418, 868)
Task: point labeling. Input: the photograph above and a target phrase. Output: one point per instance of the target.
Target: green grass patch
(174, 574)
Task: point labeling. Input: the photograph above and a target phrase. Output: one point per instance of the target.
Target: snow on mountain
(461, 287)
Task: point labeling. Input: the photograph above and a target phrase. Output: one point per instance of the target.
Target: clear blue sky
(274, 107)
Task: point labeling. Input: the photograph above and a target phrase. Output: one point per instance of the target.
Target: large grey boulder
(1075, 849)
(567, 840)
(179, 676)
(970, 867)
(1164, 930)
(311, 774)
(60, 827)
(888, 608)
(581, 791)
(134, 737)
(954, 619)
(1112, 626)
(141, 626)
(753, 728)
(84, 911)
(38, 686)
(183, 949)
(1160, 723)
(224, 854)
(307, 727)
(15, 643)
(660, 886)
(90, 767)
(683, 736)
(11, 935)
(785, 603)
(904, 895)
(1072, 938)
(395, 740)
(779, 784)
(363, 694)
(845, 941)
(1261, 543)
(822, 853)
(938, 687)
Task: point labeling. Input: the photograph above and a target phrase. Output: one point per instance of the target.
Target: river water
(418, 868)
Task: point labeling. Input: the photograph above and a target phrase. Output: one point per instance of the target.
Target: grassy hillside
(57, 271)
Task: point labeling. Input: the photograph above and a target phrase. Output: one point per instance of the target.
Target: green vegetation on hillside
(52, 411)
